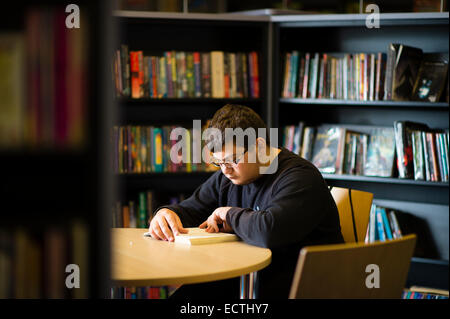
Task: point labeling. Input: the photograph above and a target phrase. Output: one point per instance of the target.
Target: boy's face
(235, 164)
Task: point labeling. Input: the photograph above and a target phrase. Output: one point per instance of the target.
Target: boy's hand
(165, 224)
(218, 217)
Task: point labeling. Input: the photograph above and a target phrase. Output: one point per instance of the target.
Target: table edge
(117, 282)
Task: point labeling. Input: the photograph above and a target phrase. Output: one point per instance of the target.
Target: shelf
(176, 16)
(163, 174)
(439, 262)
(428, 273)
(385, 180)
(357, 20)
(149, 101)
(177, 181)
(391, 104)
(43, 161)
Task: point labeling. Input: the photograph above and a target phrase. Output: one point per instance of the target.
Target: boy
(281, 203)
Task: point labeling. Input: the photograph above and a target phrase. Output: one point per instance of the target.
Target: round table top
(144, 261)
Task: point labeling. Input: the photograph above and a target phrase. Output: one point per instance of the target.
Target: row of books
(335, 149)
(146, 149)
(357, 76)
(142, 292)
(43, 83)
(422, 154)
(33, 262)
(416, 292)
(404, 73)
(180, 74)
(383, 225)
(386, 223)
(399, 151)
(138, 213)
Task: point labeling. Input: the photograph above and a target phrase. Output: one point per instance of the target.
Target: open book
(198, 236)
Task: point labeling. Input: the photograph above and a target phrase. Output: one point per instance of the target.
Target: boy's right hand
(165, 224)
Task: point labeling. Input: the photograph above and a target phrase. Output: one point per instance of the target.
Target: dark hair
(235, 116)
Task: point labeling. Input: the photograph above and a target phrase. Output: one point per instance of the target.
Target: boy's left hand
(218, 217)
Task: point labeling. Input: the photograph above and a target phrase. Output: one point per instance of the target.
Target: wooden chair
(340, 271)
(354, 211)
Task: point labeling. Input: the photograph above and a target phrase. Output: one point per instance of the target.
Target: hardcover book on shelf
(386, 224)
(308, 142)
(390, 64)
(198, 236)
(306, 76)
(380, 224)
(298, 137)
(431, 78)
(380, 153)
(206, 74)
(254, 74)
(217, 74)
(355, 153)
(328, 145)
(380, 66)
(433, 157)
(393, 222)
(406, 68)
(418, 156)
(137, 74)
(404, 148)
(12, 81)
(233, 75)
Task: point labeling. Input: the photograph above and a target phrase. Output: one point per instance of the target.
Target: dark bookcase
(46, 189)
(154, 33)
(271, 37)
(347, 34)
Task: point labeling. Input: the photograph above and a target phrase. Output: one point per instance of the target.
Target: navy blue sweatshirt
(283, 211)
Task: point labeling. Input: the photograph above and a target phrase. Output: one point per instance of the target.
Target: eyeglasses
(228, 163)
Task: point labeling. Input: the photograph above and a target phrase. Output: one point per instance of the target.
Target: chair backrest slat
(354, 211)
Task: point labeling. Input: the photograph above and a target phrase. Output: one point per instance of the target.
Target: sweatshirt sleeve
(299, 202)
(197, 208)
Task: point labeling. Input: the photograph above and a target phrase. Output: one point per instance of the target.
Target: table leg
(248, 286)
(243, 287)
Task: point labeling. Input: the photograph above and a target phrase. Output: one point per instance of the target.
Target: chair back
(354, 211)
(353, 270)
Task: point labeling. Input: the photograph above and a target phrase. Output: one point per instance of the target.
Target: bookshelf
(369, 104)
(47, 188)
(271, 36)
(347, 33)
(192, 32)
(155, 33)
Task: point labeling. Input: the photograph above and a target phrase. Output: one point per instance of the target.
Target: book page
(198, 236)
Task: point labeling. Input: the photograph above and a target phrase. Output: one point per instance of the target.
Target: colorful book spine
(306, 76)
(380, 225)
(396, 232)
(197, 75)
(372, 224)
(386, 225)
(217, 74)
(287, 72)
(142, 210)
(255, 75)
(426, 156)
(206, 74)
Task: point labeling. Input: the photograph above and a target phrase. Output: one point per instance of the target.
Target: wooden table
(143, 261)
